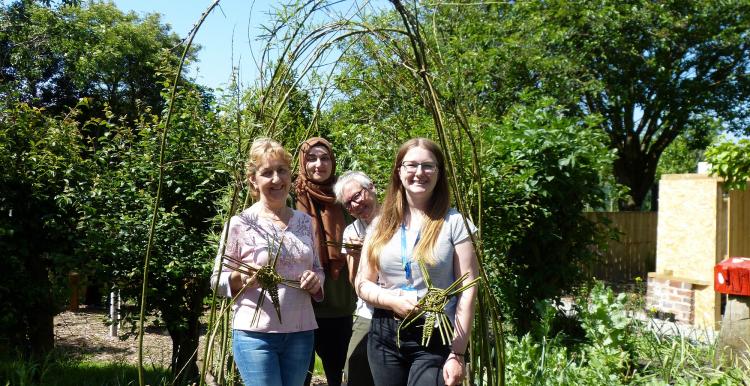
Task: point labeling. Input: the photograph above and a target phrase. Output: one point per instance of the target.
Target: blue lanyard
(406, 261)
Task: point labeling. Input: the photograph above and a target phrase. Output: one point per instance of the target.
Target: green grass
(318, 367)
(63, 372)
(60, 371)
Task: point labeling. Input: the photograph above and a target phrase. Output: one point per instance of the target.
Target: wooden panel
(739, 219)
(634, 254)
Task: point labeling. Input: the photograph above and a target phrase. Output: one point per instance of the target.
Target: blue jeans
(271, 359)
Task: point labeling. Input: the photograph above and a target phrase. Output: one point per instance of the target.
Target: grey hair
(357, 176)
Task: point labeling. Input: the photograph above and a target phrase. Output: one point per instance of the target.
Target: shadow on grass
(80, 348)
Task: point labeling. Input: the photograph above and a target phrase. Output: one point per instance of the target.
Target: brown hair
(261, 150)
(395, 205)
(318, 200)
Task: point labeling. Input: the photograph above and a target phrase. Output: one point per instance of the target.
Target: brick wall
(671, 296)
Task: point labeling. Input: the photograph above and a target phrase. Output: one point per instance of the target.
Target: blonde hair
(395, 205)
(261, 150)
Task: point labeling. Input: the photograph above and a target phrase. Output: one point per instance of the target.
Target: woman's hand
(354, 252)
(238, 281)
(249, 280)
(403, 305)
(453, 370)
(309, 282)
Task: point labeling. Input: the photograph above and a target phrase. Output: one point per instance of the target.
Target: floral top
(255, 239)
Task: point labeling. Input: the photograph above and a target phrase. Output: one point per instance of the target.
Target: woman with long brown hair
(417, 226)
(315, 196)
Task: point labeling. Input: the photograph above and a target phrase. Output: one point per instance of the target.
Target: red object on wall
(732, 276)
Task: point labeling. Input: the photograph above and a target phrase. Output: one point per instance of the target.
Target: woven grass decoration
(432, 307)
(267, 277)
(348, 246)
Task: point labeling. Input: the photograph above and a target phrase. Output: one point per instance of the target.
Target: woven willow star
(266, 276)
(432, 307)
(348, 246)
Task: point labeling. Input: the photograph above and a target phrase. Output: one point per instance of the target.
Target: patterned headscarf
(319, 201)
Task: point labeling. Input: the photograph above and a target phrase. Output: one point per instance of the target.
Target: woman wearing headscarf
(315, 196)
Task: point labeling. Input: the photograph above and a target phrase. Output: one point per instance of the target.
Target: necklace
(282, 217)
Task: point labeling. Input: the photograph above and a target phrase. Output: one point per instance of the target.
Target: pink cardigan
(249, 238)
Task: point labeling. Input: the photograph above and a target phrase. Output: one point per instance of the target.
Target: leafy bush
(618, 348)
(609, 330)
(730, 160)
(546, 357)
(116, 212)
(41, 166)
(542, 170)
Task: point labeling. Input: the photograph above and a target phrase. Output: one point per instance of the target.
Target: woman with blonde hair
(271, 346)
(417, 225)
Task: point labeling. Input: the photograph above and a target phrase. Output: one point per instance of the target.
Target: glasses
(427, 167)
(355, 198)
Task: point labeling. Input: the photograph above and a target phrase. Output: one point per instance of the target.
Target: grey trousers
(357, 369)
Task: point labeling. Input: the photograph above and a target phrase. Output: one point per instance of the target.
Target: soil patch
(85, 335)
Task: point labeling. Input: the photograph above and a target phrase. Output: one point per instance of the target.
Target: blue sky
(215, 36)
(240, 19)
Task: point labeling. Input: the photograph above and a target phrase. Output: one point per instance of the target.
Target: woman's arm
(312, 280)
(464, 260)
(368, 289)
(228, 282)
(352, 258)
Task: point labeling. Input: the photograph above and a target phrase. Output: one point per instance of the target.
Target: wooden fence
(739, 223)
(634, 254)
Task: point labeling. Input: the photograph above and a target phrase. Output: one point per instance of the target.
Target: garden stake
(412, 25)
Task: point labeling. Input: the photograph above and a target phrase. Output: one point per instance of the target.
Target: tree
(42, 168)
(117, 208)
(653, 70)
(55, 56)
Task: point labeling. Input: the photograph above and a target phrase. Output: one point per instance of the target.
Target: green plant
(636, 300)
(543, 169)
(618, 349)
(609, 329)
(43, 168)
(605, 317)
(730, 161)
